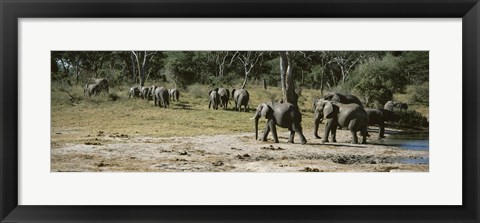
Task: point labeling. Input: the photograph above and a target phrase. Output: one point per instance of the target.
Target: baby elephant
(284, 115)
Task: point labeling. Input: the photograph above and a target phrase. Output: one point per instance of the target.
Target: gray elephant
(241, 98)
(103, 85)
(224, 95)
(90, 89)
(161, 97)
(174, 94)
(145, 91)
(213, 99)
(379, 117)
(344, 99)
(395, 106)
(134, 92)
(98, 86)
(352, 116)
(285, 115)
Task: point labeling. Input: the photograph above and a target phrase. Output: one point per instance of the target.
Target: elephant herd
(160, 95)
(339, 111)
(219, 97)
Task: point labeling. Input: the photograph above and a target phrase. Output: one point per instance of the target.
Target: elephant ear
(265, 111)
(328, 109)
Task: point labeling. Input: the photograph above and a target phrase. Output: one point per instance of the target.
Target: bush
(418, 93)
(198, 91)
(411, 118)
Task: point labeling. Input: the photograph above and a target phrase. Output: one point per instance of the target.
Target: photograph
(239, 111)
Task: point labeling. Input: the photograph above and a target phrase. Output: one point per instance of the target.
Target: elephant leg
(364, 134)
(292, 136)
(381, 133)
(296, 127)
(353, 129)
(328, 126)
(209, 103)
(273, 127)
(316, 124)
(265, 132)
(334, 132)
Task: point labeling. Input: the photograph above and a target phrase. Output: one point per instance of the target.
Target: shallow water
(411, 140)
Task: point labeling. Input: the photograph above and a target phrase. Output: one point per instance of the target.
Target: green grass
(84, 118)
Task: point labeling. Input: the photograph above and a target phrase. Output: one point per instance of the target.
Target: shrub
(411, 118)
(198, 91)
(418, 93)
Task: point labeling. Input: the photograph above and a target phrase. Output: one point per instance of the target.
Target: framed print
(239, 111)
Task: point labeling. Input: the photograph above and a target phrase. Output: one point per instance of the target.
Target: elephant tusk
(252, 118)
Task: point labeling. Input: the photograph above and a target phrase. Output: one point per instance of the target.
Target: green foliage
(379, 79)
(198, 91)
(418, 93)
(412, 118)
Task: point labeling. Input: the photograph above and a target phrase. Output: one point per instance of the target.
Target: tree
(142, 59)
(248, 59)
(287, 78)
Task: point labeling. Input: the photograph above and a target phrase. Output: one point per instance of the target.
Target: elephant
(213, 99)
(352, 116)
(174, 94)
(285, 115)
(241, 98)
(378, 117)
(161, 97)
(224, 95)
(98, 86)
(344, 99)
(134, 92)
(145, 91)
(102, 84)
(91, 89)
(395, 106)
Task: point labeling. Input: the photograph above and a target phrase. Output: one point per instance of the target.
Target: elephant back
(348, 112)
(285, 114)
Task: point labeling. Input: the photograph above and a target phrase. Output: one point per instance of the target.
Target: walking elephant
(174, 94)
(213, 99)
(161, 97)
(285, 115)
(134, 92)
(344, 99)
(90, 89)
(224, 95)
(379, 117)
(241, 98)
(98, 86)
(352, 116)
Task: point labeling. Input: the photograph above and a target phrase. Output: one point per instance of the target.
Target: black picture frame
(11, 11)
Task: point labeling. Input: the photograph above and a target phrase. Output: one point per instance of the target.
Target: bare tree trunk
(264, 84)
(246, 77)
(283, 71)
(286, 76)
(134, 74)
(291, 95)
(142, 71)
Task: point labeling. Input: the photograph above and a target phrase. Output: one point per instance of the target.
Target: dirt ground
(116, 152)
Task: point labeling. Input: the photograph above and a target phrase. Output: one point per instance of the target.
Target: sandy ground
(113, 152)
